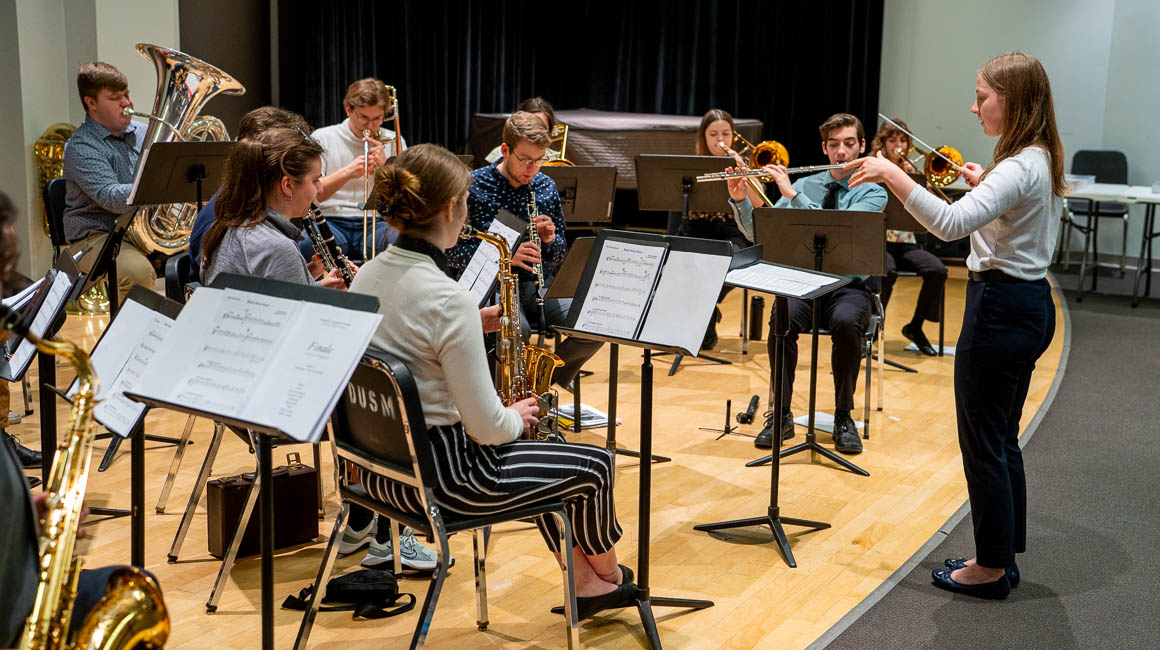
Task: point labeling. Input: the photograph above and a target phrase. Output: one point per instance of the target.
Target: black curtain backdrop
(789, 64)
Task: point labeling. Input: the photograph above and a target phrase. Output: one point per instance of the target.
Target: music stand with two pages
(783, 282)
(586, 192)
(655, 293)
(842, 242)
(268, 357)
(668, 183)
(120, 355)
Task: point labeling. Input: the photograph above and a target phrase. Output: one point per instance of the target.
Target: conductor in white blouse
(1012, 217)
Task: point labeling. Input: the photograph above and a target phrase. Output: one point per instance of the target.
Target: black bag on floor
(369, 593)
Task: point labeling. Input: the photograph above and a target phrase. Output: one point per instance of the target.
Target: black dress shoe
(29, 458)
(846, 439)
(919, 339)
(710, 340)
(764, 440)
(997, 590)
(33, 481)
(626, 577)
(959, 562)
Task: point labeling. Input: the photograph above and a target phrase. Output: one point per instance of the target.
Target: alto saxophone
(132, 612)
(523, 370)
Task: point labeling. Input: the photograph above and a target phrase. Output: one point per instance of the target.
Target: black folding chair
(378, 426)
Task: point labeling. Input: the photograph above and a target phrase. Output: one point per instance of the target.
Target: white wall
(42, 42)
(1102, 57)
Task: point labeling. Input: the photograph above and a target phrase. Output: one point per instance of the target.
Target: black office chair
(53, 196)
(391, 441)
(1107, 167)
(179, 272)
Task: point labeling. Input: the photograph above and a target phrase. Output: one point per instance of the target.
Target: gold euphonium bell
(184, 85)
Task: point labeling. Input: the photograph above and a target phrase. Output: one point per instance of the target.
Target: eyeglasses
(368, 118)
(529, 162)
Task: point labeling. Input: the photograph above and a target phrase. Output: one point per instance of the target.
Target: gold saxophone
(132, 613)
(524, 370)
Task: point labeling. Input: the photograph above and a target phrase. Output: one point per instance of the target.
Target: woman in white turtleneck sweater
(434, 326)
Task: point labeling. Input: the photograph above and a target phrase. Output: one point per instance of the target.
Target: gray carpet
(1091, 573)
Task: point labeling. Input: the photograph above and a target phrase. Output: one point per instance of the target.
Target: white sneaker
(416, 556)
(353, 540)
(14, 417)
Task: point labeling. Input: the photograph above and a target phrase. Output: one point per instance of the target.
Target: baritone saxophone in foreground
(523, 370)
(132, 613)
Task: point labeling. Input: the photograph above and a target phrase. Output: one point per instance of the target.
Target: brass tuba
(523, 370)
(132, 613)
(184, 85)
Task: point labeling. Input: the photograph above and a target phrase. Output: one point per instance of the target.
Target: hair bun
(396, 194)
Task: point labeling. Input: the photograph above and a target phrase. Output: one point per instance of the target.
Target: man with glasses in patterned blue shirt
(100, 162)
(506, 184)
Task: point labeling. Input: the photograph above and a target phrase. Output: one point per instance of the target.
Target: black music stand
(564, 286)
(645, 600)
(263, 434)
(772, 516)
(668, 183)
(586, 193)
(104, 265)
(178, 172)
(853, 243)
(897, 218)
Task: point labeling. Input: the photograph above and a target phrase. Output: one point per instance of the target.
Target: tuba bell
(184, 85)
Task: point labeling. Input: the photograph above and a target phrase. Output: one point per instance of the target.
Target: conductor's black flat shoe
(764, 440)
(919, 339)
(959, 562)
(846, 438)
(997, 590)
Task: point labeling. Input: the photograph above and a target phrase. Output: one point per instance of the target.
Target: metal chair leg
(26, 388)
(318, 475)
(866, 396)
(195, 493)
(235, 543)
(1124, 247)
(174, 465)
(480, 547)
(428, 610)
(881, 365)
(324, 569)
(572, 626)
(396, 550)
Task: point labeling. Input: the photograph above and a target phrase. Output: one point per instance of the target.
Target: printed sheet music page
(684, 300)
(57, 293)
(483, 268)
(123, 354)
(276, 362)
(626, 273)
(779, 280)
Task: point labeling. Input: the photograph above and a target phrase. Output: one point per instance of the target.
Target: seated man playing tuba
(100, 162)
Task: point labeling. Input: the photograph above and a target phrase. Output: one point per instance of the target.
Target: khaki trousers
(133, 267)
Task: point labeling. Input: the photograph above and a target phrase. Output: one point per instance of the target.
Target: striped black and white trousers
(476, 480)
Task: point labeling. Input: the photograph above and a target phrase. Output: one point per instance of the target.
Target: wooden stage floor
(879, 521)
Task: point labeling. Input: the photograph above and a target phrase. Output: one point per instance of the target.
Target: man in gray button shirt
(100, 162)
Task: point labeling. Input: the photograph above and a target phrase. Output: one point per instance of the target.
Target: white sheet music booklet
(277, 363)
(483, 268)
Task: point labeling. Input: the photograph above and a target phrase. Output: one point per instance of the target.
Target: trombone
(941, 166)
(559, 136)
(369, 221)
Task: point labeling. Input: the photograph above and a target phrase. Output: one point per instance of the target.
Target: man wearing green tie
(844, 312)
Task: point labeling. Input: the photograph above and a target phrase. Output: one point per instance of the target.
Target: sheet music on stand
(124, 352)
(781, 280)
(654, 289)
(275, 363)
(58, 292)
(482, 271)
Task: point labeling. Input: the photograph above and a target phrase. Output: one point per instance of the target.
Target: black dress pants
(845, 313)
(911, 258)
(1006, 328)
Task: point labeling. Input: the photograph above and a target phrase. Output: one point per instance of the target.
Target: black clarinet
(321, 236)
